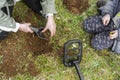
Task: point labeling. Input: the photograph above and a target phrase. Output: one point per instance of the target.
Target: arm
(108, 11)
(114, 34)
(106, 19)
(109, 8)
(48, 7)
(8, 24)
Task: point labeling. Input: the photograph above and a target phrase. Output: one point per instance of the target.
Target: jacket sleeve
(6, 22)
(109, 8)
(48, 6)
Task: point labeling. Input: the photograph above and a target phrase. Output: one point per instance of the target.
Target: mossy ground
(26, 57)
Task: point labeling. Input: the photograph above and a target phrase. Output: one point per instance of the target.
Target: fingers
(25, 28)
(52, 31)
(113, 34)
(112, 37)
(105, 22)
(106, 19)
(29, 29)
(45, 29)
(28, 24)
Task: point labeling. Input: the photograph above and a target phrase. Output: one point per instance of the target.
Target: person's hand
(106, 19)
(50, 25)
(25, 28)
(113, 34)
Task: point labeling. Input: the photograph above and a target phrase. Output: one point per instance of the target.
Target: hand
(106, 19)
(25, 28)
(113, 34)
(51, 26)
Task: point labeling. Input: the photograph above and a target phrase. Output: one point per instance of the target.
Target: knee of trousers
(93, 24)
(101, 41)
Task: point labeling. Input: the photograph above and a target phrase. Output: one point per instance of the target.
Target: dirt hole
(76, 6)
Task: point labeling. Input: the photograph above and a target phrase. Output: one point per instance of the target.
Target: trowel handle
(78, 71)
(34, 29)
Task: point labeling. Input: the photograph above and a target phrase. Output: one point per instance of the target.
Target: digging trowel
(38, 32)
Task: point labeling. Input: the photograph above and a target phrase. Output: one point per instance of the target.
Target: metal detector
(73, 55)
(38, 32)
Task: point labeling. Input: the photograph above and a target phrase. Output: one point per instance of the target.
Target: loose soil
(16, 48)
(19, 49)
(76, 6)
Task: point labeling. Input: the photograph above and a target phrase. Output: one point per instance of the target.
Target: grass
(95, 65)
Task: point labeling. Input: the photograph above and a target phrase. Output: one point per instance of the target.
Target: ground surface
(13, 59)
(26, 57)
(76, 6)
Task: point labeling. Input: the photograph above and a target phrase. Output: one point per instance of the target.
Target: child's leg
(34, 5)
(101, 41)
(94, 25)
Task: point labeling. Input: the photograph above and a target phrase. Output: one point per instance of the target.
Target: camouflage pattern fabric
(4, 34)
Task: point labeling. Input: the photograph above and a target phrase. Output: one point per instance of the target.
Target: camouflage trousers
(101, 40)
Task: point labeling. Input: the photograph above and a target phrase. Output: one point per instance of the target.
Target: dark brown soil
(16, 47)
(76, 6)
(15, 58)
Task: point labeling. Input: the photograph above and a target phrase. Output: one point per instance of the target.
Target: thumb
(44, 29)
(28, 24)
(105, 22)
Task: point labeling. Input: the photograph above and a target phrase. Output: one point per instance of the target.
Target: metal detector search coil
(73, 55)
(70, 48)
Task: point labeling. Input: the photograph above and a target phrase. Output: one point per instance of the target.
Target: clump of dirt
(76, 6)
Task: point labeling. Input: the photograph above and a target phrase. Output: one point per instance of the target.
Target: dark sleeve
(109, 8)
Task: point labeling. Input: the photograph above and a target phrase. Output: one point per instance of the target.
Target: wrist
(49, 15)
(50, 18)
(17, 27)
(108, 15)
